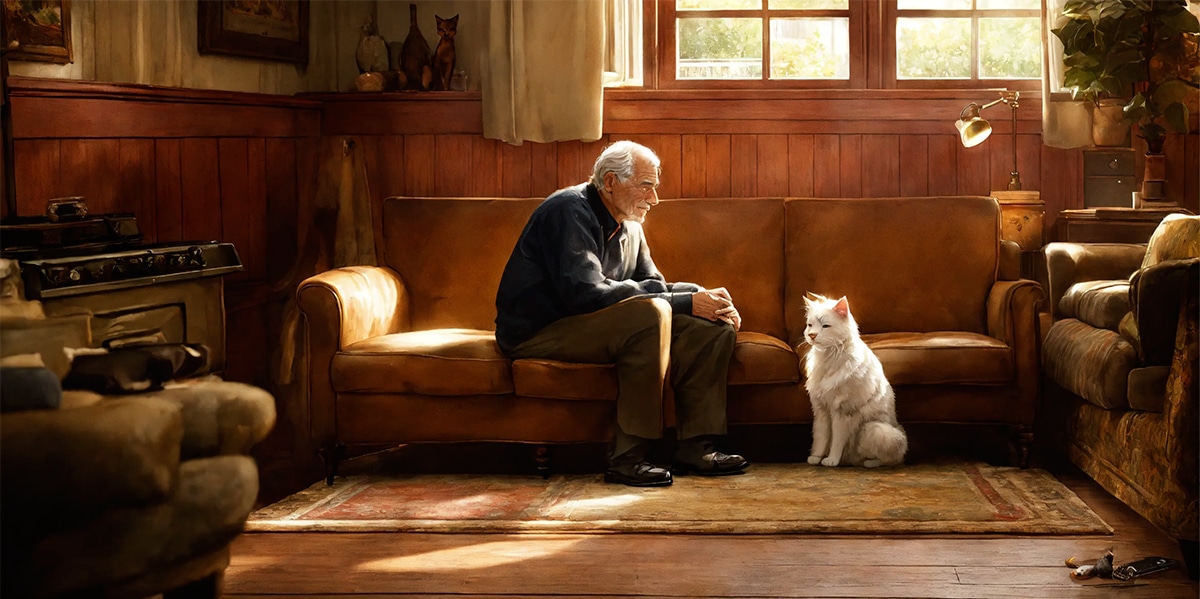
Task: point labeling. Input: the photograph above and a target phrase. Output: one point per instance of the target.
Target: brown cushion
(943, 357)
(551, 379)
(760, 359)
(433, 362)
(1090, 362)
(1101, 304)
(1177, 237)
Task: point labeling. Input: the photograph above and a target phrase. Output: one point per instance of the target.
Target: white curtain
(1066, 123)
(543, 72)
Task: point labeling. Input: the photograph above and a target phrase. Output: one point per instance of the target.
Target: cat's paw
(814, 459)
(830, 462)
(872, 463)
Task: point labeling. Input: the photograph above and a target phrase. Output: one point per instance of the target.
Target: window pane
(719, 49)
(935, 4)
(933, 48)
(717, 4)
(1010, 48)
(1009, 4)
(810, 48)
(808, 4)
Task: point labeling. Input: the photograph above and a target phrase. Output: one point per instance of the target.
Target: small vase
(1108, 126)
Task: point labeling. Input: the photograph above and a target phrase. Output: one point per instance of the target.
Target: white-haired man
(580, 287)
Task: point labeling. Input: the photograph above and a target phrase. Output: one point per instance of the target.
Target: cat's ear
(439, 19)
(453, 20)
(842, 307)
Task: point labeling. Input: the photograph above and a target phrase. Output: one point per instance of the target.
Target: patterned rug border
(1024, 502)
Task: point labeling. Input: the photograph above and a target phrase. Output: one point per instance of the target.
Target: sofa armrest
(1155, 294)
(339, 307)
(121, 451)
(1012, 317)
(1071, 263)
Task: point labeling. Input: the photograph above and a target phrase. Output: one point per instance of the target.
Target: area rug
(950, 498)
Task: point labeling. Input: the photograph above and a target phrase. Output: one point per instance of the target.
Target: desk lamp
(973, 129)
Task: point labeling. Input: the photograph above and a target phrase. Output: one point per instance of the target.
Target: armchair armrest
(1155, 294)
(1012, 317)
(339, 307)
(1071, 263)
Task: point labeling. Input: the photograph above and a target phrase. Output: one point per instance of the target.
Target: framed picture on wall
(265, 29)
(42, 30)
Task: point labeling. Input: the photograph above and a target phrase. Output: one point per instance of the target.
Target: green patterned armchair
(1120, 367)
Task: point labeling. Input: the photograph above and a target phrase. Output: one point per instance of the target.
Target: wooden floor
(484, 566)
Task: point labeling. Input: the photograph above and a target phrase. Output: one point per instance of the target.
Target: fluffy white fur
(854, 407)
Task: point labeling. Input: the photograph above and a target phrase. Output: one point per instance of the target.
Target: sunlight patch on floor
(482, 555)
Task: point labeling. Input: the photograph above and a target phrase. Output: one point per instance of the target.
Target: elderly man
(580, 287)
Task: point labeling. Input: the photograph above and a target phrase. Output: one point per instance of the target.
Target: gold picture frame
(42, 35)
(266, 29)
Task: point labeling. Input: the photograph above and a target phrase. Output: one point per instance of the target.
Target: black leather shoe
(641, 474)
(711, 464)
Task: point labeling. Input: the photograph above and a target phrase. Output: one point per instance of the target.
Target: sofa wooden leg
(541, 457)
(331, 456)
(1023, 443)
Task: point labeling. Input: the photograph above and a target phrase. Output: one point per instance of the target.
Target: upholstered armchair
(1120, 363)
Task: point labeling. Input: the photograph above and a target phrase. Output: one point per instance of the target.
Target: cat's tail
(884, 442)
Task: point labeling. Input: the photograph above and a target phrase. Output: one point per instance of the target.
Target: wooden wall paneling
(135, 186)
(1061, 183)
(419, 170)
(201, 188)
(168, 191)
(515, 171)
(1191, 187)
(384, 157)
(282, 199)
(974, 170)
(772, 153)
(235, 201)
(800, 165)
(851, 166)
(569, 167)
(717, 166)
(693, 159)
(670, 151)
(1179, 166)
(35, 169)
(257, 215)
(543, 174)
(943, 165)
(486, 171)
(743, 166)
(881, 166)
(914, 165)
(999, 156)
(1029, 161)
(452, 166)
(86, 168)
(827, 166)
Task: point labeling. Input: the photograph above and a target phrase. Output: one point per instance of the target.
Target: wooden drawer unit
(1109, 178)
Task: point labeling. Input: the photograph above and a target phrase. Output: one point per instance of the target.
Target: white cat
(854, 407)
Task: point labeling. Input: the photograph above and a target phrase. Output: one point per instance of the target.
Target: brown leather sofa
(404, 352)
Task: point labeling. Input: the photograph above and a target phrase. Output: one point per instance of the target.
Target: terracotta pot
(1108, 128)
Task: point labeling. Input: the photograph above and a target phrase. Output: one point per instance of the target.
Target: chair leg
(331, 456)
(208, 587)
(1022, 443)
(541, 457)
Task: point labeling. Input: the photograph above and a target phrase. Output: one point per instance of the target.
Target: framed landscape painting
(42, 28)
(266, 29)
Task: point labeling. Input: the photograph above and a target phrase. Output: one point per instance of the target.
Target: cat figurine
(854, 406)
(415, 57)
(443, 55)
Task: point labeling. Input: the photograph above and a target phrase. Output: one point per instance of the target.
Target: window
(988, 42)
(623, 43)
(856, 44)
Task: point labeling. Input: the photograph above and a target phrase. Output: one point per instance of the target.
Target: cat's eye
(824, 326)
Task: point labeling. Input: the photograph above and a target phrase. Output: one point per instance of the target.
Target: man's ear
(610, 179)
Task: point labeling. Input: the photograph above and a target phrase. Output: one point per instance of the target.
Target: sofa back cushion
(450, 253)
(918, 264)
(735, 243)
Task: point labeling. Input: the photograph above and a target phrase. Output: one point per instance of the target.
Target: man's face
(632, 199)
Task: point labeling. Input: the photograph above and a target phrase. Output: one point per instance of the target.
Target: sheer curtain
(1066, 123)
(543, 73)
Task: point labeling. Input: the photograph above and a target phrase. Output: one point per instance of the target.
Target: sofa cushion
(760, 359)
(1090, 362)
(952, 357)
(1101, 304)
(432, 362)
(552, 379)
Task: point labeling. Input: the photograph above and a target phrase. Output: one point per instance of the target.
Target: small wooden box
(1022, 215)
(1109, 178)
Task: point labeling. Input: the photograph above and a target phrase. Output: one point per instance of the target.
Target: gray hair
(618, 159)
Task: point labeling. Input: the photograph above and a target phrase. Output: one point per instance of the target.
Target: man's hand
(716, 305)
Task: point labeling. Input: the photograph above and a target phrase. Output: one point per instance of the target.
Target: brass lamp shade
(973, 130)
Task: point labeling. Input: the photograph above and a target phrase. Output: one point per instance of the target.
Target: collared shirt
(574, 258)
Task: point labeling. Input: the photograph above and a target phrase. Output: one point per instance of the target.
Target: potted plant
(1103, 57)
